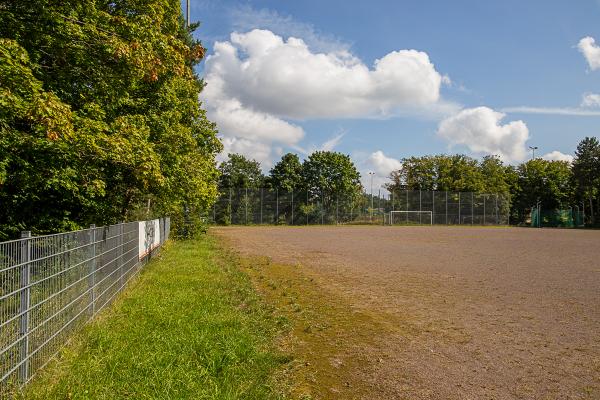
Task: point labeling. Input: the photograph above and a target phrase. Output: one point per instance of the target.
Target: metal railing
(275, 206)
(52, 285)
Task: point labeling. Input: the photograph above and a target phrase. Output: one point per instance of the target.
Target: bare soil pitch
(437, 312)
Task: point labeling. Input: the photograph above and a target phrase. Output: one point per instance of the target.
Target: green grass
(190, 327)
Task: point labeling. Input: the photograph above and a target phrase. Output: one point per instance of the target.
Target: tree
(442, 172)
(458, 173)
(330, 176)
(99, 118)
(287, 174)
(238, 172)
(495, 175)
(586, 174)
(546, 182)
(417, 173)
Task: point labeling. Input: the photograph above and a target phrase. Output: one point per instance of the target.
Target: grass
(190, 327)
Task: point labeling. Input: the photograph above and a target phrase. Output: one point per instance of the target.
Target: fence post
(120, 251)
(292, 207)
(496, 207)
(406, 205)
(276, 206)
(337, 209)
(459, 217)
(322, 208)
(420, 208)
(25, 303)
(261, 205)
(230, 208)
(307, 206)
(92, 277)
(433, 207)
(472, 211)
(246, 205)
(484, 199)
(446, 207)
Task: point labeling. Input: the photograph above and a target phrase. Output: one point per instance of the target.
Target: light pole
(371, 209)
(187, 13)
(533, 149)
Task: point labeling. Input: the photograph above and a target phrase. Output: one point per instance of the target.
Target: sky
(384, 80)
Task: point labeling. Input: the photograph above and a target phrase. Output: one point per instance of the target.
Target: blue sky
(484, 77)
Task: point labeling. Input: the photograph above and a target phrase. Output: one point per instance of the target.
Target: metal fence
(273, 206)
(52, 285)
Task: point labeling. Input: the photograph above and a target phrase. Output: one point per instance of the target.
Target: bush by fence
(273, 206)
(52, 285)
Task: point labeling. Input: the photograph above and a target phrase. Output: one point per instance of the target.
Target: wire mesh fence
(52, 285)
(273, 206)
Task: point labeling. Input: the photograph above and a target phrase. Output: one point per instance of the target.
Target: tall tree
(546, 182)
(239, 172)
(586, 175)
(100, 119)
(495, 175)
(331, 175)
(458, 173)
(287, 173)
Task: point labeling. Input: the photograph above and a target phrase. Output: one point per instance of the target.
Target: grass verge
(190, 327)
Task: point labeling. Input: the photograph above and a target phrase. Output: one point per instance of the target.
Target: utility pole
(371, 214)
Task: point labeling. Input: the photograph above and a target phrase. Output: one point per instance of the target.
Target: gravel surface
(478, 313)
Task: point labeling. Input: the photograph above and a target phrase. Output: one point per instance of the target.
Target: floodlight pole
(187, 13)
(371, 209)
(533, 149)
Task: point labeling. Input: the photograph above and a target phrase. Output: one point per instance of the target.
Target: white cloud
(558, 156)
(568, 111)
(378, 163)
(591, 100)
(332, 143)
(233, 117)
(383, 165)
(245, 18)
(258, 82)
(261, 152)
(591, 51)
(284, 78)
(481, 131)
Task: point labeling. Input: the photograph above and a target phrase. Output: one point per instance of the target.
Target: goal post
(409, 218)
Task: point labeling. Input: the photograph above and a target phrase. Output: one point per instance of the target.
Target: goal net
(408, 218)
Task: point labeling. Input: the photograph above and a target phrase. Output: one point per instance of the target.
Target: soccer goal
(408, 218)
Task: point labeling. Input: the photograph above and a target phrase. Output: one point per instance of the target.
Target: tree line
(329, 175)
(99, 116)
(326, 175)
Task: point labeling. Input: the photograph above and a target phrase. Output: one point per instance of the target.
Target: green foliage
(546, 182)
(330, 175)
(241, 173)
(287, 173)
(457, 173)
(99, 115)
(586, 176)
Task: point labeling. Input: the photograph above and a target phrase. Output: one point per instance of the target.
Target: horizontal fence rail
(52, 285)
(274, 206)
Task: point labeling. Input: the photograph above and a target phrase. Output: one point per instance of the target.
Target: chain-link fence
(52, 285)
(274, 206)
(569, 218)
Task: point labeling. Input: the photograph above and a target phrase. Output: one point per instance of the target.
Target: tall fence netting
(274, 206)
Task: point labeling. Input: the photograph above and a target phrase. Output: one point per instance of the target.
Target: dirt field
(435, 312)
